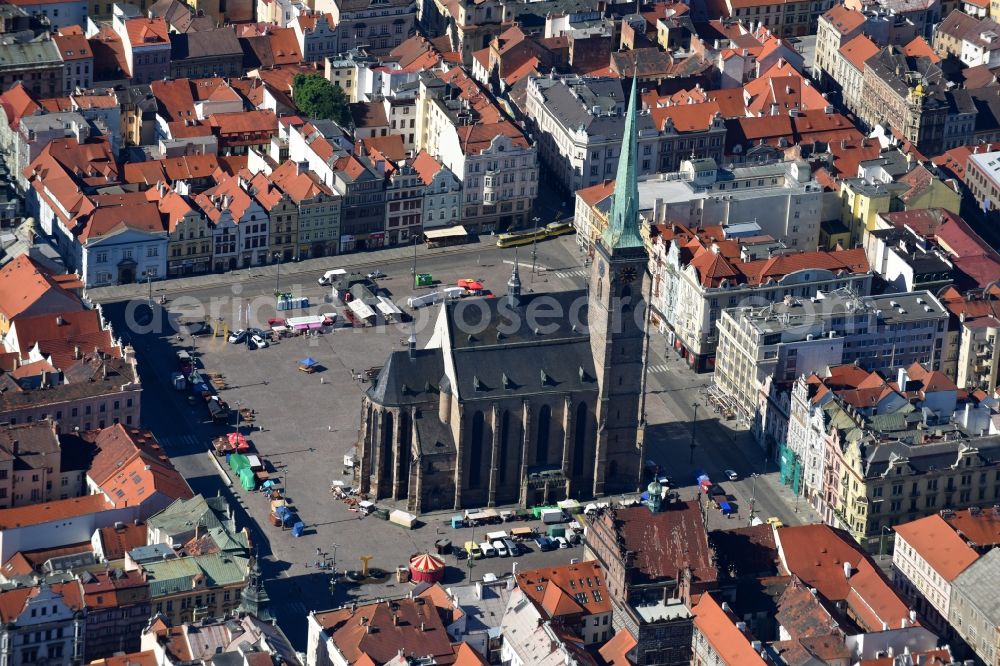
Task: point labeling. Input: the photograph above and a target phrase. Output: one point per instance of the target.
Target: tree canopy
(317, 97)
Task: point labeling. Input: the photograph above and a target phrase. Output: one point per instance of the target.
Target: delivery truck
(552, 516)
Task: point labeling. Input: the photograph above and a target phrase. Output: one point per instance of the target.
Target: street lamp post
(881, 541)
(753, 496)
(694, 424)
(534, 245)
(277, 275)
(149, 283)
(413, 271)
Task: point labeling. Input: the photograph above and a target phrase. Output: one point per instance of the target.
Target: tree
(316, 97)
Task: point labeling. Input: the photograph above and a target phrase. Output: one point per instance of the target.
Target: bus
(520, 238)
(553, 229)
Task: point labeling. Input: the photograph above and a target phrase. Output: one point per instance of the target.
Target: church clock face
(628, 274)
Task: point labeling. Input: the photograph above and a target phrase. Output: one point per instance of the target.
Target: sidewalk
(801, 508)
(396, 254)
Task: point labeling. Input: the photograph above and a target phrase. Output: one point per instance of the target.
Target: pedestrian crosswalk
(662, 367)
(577, 272)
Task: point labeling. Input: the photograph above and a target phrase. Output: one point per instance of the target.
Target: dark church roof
(538, 345)
(408, 381)
(562, 366)
(433, 436)
(483, 322)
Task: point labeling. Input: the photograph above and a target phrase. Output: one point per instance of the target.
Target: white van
(331, 275)
(488, 549)
(501, 548)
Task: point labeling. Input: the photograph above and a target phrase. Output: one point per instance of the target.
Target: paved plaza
(304, 424)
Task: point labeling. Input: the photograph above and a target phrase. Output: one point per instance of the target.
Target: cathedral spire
(623, 223)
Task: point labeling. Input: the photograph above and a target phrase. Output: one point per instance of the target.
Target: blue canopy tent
(308, 365)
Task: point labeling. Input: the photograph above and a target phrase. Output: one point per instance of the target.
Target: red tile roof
(107, 220)
(844, 20)
(244, 122)
(785, 87)
(937, 543)
(955, 160)
(65, 330)
(719, 629)
(379, 631)
(730, 101)
(116, 541)
(17, 103)
(918, 47)
(130, 467)
(12, 602)
(615, 651)
(476, 138)
(666, 542)
(391, 147)
(27, 289)
(596, 193)
(686, 117)
(980, 527)
(298, 184)
(426, 166)
(147, 32)
(37, 514)
(174, 99)
(817, 554)
(571, 589)
(858, 51)
(466, 655)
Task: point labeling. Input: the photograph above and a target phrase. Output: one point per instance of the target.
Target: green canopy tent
(238, 462)
(247, 479)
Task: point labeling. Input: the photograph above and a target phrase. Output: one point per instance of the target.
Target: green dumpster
(424, 280)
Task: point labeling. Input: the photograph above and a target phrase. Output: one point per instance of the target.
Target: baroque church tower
(617, 316)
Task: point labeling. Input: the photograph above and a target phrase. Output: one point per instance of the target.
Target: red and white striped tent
(426, 568)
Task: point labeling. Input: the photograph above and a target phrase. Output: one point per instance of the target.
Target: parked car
(731, 475)
(501, 548)
(196, 327)
(544, 543)
(775, 522)
(257, 342)
(472, 548)
(561, 541)
(238, 336)
(376, 274)
(487, 549)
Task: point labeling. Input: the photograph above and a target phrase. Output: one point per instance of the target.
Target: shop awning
(457, 231)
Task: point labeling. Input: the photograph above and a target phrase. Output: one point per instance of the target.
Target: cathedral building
(528, 398)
